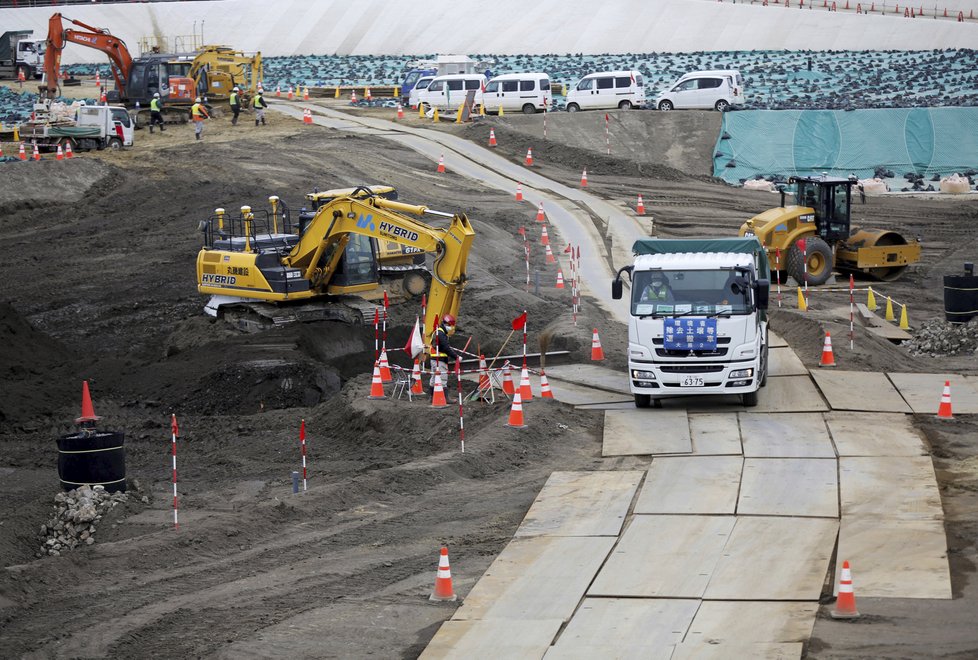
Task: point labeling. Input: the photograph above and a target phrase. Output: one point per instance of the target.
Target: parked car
(606, 90)
(720, 90)
(449, 92)
(528, 93)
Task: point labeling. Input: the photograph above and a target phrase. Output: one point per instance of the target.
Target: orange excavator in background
(136, 79)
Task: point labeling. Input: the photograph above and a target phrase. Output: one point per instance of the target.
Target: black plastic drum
(92, 459)
(960, 298)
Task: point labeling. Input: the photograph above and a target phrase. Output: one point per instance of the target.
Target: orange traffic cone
(544, 237)
(400, 111)
(508, 387)
(640, 207)
(584, 179)
(519, 192)
(306, 116)
(290, 93)
(438, 392)
(443, 580)
(484, 382)
(353, 96)
(944, 410)
(305, 93)
(550, 254)
(541, 217)
(366, 94)
(516, 413)
(37, 153)
(376, 384)
(23, 154)
(526, 392)
(278, 91)
(492, 138)
(560, 279)
(61, 153)
(385, 368)
(597, 353)
(68, 152)
(545, 392)
(828, 358)
(88, 415)
(529, 157)
(441, 164)
(416, 387)
(845, 604)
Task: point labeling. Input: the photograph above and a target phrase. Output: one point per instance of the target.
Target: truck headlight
(643, 375)
(741, 373)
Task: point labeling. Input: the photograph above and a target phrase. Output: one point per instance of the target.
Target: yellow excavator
(216, 70)
(261, 269)
(814, 235)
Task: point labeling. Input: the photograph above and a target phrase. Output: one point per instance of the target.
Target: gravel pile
(76, 514)
(937, 337)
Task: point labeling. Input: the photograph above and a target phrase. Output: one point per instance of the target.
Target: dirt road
(99, 284)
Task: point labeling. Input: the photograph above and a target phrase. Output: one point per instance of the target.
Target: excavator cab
(830, 198)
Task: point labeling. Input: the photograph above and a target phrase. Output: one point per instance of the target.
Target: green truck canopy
(677, 245)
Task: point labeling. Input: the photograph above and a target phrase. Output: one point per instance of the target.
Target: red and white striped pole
(386, 305)
(461, 416)
(777, 269)
(804, 261)
(524, 340)
(545, 110)
(852, 330)
(376, 334)
(607, 132)
(302, 441)
(175, 432)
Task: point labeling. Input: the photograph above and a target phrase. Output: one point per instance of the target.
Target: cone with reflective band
(400, 111)
(526, 392)
(306, 116)
(640, 208)
(438, 393)
(516, 413)
(492, 138)
(441, 164)
(802, 304)
(845, 604)
(529, 157)
(545, 392)
(61, 153)
(508, 387)
(550, 254)
(278, 91)
(353, 96)
(944, 410)
(904, 321)
(540, 215)
(37, 153)
(544, 237)
(68, 153)
(596, 351)
(584, 179)
(443, 580)
(385, 368)
(889, 310)
(871, 301)
(519, 192)
(305, 93)
(87, 409)
(484, 383)
(560, 279)
(23, 153)
(376, 384)
(828, 357)
(290, 93)
(416, 387)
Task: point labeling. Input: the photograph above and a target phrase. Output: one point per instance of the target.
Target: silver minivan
(719, 90)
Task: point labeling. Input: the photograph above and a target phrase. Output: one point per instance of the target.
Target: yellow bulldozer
(814, 235)
(262, 269)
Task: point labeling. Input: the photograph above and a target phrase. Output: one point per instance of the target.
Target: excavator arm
(92, 37)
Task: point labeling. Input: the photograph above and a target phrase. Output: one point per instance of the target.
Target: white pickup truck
(93, 127)
(698, 322)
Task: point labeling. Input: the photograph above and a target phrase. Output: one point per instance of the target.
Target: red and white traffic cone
(366, 94)
(278, 91)
(519, 192)
(305, 93)
(306, 116)
(290, 95)
(526, 392)
(37, 152)
(438, 392)
(828, 357)
(545, 392)
(400, 111)
(584, 179)
(385, 367)
(516, 413)
(560, 279)
(944, 410)
(376, 384)
(61, 153)
(68, 152)
(492, 138)
(353, 96)
(550, 254)
(23, 153)
(484, 382)
(541, 216)
(416, 387)
(640, 207)
(441, 164)
(544, 237)
(529, 157)
(845, 604)
(443, 580)
(508, 387)
(597, 353)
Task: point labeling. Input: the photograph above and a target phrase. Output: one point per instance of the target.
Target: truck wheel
(819, 261)
(749, 399)
(642, 400)
(115, 144)
(572, 107)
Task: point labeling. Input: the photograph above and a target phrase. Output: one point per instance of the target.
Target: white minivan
(609, 89)
(524, 92)
(719, 90)
(448, 92)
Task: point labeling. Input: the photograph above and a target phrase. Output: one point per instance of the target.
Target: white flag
(415, 343)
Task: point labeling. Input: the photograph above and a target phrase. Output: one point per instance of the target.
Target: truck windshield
(690, 292)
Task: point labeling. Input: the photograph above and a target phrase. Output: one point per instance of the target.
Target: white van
(528, 93)
(609, 89)
(419, 86)
(720, 90)
(448, 92)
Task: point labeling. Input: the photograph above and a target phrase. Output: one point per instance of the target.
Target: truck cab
(115, 126)
(698, 321)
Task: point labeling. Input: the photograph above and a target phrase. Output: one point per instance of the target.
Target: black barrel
(960, 298)
(91, 459)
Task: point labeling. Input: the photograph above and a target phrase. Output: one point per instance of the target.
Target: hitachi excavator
(262, 270)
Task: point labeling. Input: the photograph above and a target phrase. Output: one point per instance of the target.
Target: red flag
(302, 430)
(800, 244)
(415, 343)
(386, 302)
(519, 322)
(173, 425)
(568, 248)
(578, 251)
(606, 117)
(522, 231)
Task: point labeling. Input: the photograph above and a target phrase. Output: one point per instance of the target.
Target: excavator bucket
(882, 254)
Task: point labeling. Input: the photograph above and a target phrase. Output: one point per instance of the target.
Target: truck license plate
(691, 381)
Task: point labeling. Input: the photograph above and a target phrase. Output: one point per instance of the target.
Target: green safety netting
(925, 141)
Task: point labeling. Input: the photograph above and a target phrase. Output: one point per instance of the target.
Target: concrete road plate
(461, 640)
(728, 651)
(742, 622)
(691, 484)
(859, 390)
(715, 434)
(894, 558)
(792, 435)
(784, 362)
(789, 487)
(591, 375)
(581, 504)
(639, 432)
(900, 487)
(790, 394)
(923, 392)
(775, 340)
(879, 434)
(769, 558)
(625, 628)
(539, 577)
(664, 556)
(579, 395)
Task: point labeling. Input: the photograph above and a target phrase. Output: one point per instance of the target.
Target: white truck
(93, 127)
(698, 322)
(19, 54)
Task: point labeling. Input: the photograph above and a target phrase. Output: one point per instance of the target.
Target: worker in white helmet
(156, 113)
(235, 105)
(198, 113)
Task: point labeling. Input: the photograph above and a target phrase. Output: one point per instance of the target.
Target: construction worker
(658, 290)
(235, 105)
(198, 113)
(259, 104)
(20, 77)
(156, 113)
(441, 349)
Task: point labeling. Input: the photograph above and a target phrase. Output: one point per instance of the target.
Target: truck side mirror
(616, 288)
(762, 293)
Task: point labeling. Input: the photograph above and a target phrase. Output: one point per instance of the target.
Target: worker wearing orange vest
(198, 113)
